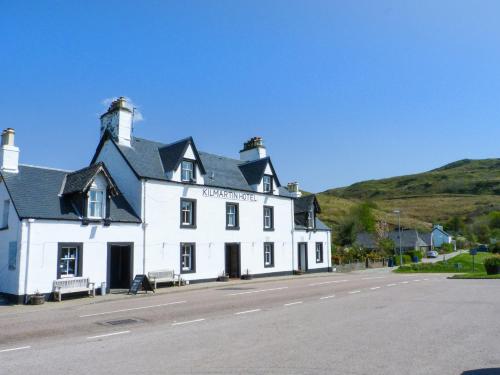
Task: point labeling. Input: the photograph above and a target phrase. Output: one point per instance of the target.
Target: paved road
(446, 256)
(363, 323)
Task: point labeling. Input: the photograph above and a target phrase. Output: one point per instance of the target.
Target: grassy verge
(448, 266)
(476, 275)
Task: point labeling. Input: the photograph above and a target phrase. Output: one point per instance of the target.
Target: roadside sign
(140, 281)
(473, 252)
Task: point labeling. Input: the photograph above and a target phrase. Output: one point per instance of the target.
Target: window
(268, 218)
(268, 254)
(96, 203)
(188, 213)
(268, 183)
(12, 255)
(188, 258)
(232, 216)
(319, 252)
(5, 215)
(187, 171)
(69, 261)
(310, 219)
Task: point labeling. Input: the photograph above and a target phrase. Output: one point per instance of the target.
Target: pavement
(374, 322)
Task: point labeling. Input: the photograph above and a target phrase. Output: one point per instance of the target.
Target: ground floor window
(188, 253)
(268, 254)
(69, 260)
(319, 252)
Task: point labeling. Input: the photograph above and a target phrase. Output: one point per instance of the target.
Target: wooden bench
(163, 276)
(73, 285)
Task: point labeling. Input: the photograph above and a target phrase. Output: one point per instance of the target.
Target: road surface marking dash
(327, 297)
(426, 279)
(416, 281)
(391, 284)
(404, 282)
(292, 303)
(247, 312)
(14, 349)
(373, 278)
(328, 282)
(188, 322)
(375, 288)
(355, 291)
(257, 291)
(107, 335)
(132, 309)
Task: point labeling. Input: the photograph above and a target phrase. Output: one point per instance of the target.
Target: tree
(455, 225)
(494, 220)
(482, 232)
(346, 233)
(364, 217)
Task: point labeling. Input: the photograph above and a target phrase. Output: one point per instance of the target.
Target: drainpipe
(293, 234)
(329, 251)
(144, 225)
(26, 272)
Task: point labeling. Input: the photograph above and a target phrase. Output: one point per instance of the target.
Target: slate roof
(79, 181)
(410, 238)
(171, 155)
(150, 159)
(319, 225)
(303, 204)
(35, 193)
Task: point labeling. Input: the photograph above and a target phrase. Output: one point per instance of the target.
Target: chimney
(253, 149)
(9, 154)
(293, 189)
(118, 121)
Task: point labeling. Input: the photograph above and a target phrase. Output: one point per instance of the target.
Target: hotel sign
(230, 195)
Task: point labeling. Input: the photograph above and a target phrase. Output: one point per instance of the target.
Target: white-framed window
(232, 215)
(96, 207)
(12, 255)
(267, 182)
(5, 213)
(187, 171)
(69, 261)
(187, 257)
(268, 254)
(319, 252)
(188, 213)
(268, 218)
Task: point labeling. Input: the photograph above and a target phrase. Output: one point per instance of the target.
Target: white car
(432, 254)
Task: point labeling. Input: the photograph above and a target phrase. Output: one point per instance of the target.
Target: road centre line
(355, 291)
(329, 282)
(108, 334)
(292, 303)
(188, 322)
(375, 288)
(328, 297)
(15, 349)
(403, 282)
(133, 309)
(257, 291)
(373, 278)
(391, 284)
(416, 280)
(247, 312)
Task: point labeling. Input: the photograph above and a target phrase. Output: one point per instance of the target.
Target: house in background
(411, 240)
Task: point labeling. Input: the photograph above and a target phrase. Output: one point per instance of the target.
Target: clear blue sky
(341, 91)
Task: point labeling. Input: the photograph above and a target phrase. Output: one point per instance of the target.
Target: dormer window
(267, 182)
(187, 171)
(96, 204)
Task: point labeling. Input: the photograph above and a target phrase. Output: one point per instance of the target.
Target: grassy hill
(466, 188)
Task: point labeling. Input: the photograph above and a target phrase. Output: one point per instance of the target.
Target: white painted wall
(260, 187)
(311, 237)
(9, 279)
(176, 175)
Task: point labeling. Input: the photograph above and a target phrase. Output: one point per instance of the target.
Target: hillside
(466, 188)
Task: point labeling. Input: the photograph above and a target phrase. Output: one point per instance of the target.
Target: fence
(357, 266)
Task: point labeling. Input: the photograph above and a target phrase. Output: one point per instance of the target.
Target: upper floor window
(5, 214)
(268, 218)
(267, 183)
(187, 171)
(319, 252)
(188, 213)
(96, 205)
(232, 216)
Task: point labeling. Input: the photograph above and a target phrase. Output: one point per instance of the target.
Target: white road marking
(14, 349)
(188, 322)
(426, 279)
(257, 291)
(404, 282)
(328, 282)
(391, 284)
(292, 303)
(355, 291)
(133, 309)
(416, 281)
(247, 312)
(373, 278)
(375, 288)
(327, 297)
(107, 335)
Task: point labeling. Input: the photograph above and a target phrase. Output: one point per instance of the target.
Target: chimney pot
(253, 149)
(8, 137)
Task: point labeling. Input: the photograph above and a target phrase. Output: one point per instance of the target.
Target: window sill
(268, 229)
(188, 227)
(184, 272)
(269, 266)
(232, 228)
(4, 228)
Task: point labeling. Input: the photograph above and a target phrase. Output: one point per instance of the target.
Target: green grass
(476, 275)
(448, 266)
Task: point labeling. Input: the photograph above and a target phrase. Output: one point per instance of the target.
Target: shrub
(406, 259)
(492, 265)
(495, 248)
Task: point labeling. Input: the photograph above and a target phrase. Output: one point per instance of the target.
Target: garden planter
(37, 299)
(223, 278)
(492, 269)
(246, 277)
(298, 272)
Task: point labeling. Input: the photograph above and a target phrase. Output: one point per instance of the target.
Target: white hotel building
(143, 206)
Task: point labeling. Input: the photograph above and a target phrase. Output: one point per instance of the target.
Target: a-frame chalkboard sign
(140, 282)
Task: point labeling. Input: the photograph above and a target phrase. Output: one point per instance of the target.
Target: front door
(233, 260)
(120, 269)
(302, 256)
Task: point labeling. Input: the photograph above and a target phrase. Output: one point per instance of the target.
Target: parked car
(483, 248)
(432, 254)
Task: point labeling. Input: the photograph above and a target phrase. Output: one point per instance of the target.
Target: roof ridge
(87, 168)
(47, 168)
